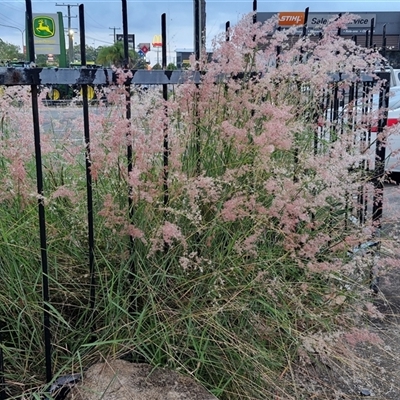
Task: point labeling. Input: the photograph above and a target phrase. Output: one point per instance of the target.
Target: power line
(97, 40)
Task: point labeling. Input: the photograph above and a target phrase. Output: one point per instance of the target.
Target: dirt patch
(122, 380)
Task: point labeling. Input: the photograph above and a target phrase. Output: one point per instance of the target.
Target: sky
(144, 17)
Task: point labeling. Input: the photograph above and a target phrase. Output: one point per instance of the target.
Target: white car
(393, 144)
(392, 153)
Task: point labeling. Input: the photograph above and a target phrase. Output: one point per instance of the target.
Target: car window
(394, 99)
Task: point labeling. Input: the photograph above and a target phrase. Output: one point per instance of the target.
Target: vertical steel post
(89, 189)
(339, 31)
(278, 50)
(371, 36)
(165, 128)
(254, 16)
(164, 43)
(304, 33)
(41, 209)
(128, 114)
(384, 41)
(197, 51)
(125, 33)
(380, 153)
(227, 31)
(197, 30)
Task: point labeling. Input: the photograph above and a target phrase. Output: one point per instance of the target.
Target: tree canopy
(171, 67)
(91, 52)
(114, 55)
(9, 51)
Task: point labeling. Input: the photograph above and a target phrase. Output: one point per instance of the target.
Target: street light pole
(22, 35)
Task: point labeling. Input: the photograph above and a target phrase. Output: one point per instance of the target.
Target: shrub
(239, 250)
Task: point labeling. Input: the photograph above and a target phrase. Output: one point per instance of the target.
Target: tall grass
(248, 259)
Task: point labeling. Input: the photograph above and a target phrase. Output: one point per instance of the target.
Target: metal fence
(333, 105)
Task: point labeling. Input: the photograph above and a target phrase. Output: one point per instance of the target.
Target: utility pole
(70, 30)
(114, 29)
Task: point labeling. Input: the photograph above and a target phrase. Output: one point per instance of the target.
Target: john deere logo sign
(43, 27)
(48, 33)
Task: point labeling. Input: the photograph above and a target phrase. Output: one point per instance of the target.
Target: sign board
(157, 41)
(316, 21)
(145, 47)
(46, 33)
(131, 38)
(291, 18)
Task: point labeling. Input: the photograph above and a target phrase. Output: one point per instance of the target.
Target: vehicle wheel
(53, 94)
(90, 93)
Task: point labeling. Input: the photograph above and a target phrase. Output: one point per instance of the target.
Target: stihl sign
(291, 18)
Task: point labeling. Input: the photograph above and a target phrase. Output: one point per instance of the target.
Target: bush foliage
(234, 258)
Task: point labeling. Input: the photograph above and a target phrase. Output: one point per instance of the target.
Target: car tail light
(390, 122)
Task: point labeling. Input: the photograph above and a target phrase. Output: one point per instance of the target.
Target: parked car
(393, 118)
(341, 117)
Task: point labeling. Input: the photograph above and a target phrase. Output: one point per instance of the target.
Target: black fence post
(384, 41)
(197, 30)
(89, 188)
(41, 209)
(339, 31)
(371, 36)
(304, 32)
(128, 115)
(380, 153)
(165, 133)
(197, 50)
(278, 49)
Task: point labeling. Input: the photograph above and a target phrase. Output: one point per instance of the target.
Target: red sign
(145, 47)
(291, 18)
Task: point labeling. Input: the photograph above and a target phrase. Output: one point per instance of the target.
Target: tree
(9, 51)
(91, 52)
(157, 66)
(114, 55)
(171, 67)
(42, 60)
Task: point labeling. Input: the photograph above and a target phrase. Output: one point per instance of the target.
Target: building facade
(359, 30)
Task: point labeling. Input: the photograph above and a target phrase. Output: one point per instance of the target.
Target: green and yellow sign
(47, 33)
(44, 26)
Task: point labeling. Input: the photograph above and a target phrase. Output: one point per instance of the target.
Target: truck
(64, 94)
